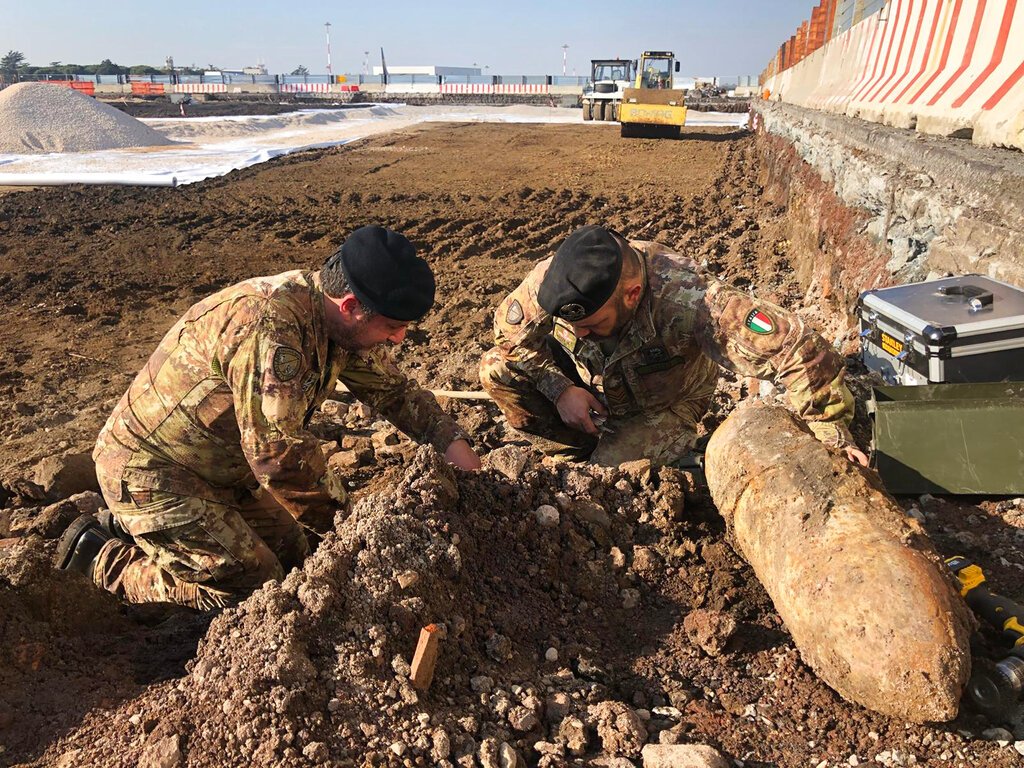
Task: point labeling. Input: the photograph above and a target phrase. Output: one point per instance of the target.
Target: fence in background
(946, 67)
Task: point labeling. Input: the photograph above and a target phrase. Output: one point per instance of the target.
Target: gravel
(38, 118)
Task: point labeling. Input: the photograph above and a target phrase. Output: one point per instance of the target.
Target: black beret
(386, 275)
(583, 274)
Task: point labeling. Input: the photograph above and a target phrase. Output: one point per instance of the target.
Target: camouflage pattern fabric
(224, 554)
(663, 436)
(664, 362)
(222, 406)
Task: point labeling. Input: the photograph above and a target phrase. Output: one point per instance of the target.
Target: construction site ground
(651, 615)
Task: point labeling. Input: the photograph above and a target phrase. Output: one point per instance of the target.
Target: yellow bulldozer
(654, 108)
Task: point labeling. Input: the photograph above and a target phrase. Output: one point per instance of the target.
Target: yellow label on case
(890, 345)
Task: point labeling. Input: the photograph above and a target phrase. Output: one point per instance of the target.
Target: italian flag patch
(759, 322)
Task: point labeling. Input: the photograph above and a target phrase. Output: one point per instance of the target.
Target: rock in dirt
(573, 733)
(841, 560)
(54, 519)
(510, 460)
(709, 629)
(547, 516)
(162, 753)
(66, 475)
(620, 729)
(682, 756)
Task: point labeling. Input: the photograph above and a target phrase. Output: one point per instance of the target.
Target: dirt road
(310, 672)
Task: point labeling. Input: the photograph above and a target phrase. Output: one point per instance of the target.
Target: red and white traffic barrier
(939, 65)
(200, 88)
(499, 88)
(305, 88)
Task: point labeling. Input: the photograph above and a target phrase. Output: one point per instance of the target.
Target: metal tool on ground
(993, 689)
(654, 108)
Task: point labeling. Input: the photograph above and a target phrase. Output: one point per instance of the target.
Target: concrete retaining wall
(870, 205)
(944, 67)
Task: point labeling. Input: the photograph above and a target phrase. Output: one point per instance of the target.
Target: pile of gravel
(39, 118)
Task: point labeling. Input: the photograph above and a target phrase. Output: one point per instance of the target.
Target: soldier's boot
(79, 546)
(110, 524)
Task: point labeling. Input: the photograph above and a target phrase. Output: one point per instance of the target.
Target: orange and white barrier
(83, 86)
(941, 66)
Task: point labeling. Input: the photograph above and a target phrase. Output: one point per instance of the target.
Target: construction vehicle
(602, 94)
(654, 107)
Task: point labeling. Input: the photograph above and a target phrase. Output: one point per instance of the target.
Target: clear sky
(710, 37)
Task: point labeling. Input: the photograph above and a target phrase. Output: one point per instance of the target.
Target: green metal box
(950, 438)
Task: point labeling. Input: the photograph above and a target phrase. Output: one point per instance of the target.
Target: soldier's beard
(352, 338)
(623, 315)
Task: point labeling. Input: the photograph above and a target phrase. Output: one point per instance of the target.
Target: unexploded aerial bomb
(856, 581)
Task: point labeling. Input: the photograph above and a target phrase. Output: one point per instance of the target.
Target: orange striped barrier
(942, 66)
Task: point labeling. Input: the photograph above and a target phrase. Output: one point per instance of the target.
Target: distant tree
(107, 67)
(12, 61)
(300, 70)
(144, 69)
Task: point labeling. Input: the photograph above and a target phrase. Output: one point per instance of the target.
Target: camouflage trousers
(222, 555)
(663, 436)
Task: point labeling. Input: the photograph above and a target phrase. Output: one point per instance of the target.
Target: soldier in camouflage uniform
(207, 465)
(609, 352)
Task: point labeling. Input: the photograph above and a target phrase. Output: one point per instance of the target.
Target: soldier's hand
(574, 407)
(856, 455)
(462, 455)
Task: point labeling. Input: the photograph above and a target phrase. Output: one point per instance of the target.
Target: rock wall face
(871, 205)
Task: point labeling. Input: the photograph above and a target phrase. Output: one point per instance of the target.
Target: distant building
(259, 69)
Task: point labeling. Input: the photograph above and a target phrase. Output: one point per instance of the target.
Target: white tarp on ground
(214, 146)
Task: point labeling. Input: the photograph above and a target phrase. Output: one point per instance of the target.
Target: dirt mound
(38, 118)
(319, 665)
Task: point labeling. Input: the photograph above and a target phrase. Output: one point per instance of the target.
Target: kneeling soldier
(609, 351)
(207, 465)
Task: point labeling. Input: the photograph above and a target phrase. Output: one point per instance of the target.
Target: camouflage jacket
(685, 326)
(224, 402)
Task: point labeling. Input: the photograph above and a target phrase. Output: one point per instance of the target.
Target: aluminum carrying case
(962, 329)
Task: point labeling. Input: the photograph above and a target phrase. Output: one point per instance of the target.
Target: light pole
(327, 26)
(565, 53)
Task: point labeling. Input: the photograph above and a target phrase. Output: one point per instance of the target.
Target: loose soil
(624, 593)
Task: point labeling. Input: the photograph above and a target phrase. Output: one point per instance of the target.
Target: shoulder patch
(565, 337)
(514, 316)
(287, 362)
(758, 322)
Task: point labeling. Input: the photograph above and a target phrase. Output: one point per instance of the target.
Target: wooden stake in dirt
(425, 658)
(868, 601)
(452, 394)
